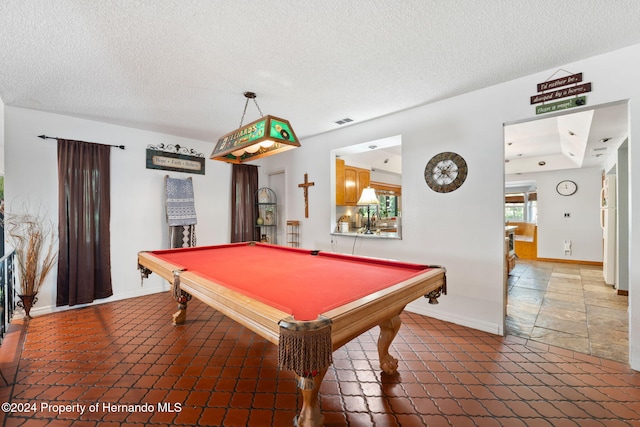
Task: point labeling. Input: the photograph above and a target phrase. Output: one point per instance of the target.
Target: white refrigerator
(608, 224)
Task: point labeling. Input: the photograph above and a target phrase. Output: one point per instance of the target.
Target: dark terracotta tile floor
(212, 372)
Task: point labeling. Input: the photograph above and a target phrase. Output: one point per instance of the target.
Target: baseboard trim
(39, 311)
(458, 320)
(570, 261)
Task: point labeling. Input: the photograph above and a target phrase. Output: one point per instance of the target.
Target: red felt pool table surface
(300, 282)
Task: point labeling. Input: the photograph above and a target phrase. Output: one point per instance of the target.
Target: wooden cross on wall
(305, 185)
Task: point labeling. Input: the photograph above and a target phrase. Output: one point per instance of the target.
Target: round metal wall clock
(566, 188)
(445, 172)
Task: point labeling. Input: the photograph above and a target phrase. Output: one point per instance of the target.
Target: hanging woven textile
(181, 212)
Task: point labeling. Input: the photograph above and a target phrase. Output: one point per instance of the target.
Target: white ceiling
(181, 67)
(384, 155)
(572, 140)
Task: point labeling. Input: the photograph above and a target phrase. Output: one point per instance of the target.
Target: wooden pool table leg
(180, 316)
(388, 330)
(310, 415)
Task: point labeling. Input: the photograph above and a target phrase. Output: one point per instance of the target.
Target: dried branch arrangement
(34, 240)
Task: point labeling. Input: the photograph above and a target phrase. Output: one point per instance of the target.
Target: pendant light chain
(244, 112)
(249, 95)
(258, 107)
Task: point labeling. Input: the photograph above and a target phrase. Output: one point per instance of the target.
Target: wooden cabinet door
(339, 182)
(350, 186)
(364, 177)
(350, 181)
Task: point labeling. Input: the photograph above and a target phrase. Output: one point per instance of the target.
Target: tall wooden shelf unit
(267, 221)
(293, 233)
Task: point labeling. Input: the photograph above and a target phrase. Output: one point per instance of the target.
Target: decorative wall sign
(561, 105)
(562, 81)
(175, 158)
(560, 88)
(561, 93)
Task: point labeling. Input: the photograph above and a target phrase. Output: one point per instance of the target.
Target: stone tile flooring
(568, 306)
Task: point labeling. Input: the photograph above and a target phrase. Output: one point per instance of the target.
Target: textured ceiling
(181, 67)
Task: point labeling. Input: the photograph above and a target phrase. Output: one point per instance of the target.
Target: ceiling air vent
(343, 121)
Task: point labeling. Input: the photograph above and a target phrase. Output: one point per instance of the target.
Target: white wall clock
(566, 187)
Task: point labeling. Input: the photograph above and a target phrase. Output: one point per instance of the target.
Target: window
(514, 212)
(521, 207)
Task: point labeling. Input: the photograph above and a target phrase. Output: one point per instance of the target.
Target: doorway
(578, 146)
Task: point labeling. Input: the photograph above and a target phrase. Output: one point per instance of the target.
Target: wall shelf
(267, 221)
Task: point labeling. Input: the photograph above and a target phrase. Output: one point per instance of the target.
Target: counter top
(382, 235)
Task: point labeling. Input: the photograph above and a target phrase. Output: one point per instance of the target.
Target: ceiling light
(264, 137)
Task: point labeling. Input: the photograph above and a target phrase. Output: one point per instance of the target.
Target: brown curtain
(84, 210)
(244, 186)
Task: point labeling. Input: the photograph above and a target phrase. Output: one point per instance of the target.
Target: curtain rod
(110, 145)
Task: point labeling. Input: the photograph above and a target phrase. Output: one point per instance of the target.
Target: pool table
(309, 303)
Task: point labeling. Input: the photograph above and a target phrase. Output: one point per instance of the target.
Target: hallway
(568, 306)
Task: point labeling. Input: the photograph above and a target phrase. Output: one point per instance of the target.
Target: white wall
(137, 200)
(1, 137)
(622, 220)
(582, 227)
(463, 230)
(437, 228)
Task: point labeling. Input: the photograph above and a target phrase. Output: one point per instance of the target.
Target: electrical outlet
(567, 215)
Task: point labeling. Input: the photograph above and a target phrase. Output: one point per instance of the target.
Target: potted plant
(33, 238)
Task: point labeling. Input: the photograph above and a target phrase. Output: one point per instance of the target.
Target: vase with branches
(34, 240)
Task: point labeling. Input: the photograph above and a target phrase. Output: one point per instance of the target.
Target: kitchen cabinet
(350, 181)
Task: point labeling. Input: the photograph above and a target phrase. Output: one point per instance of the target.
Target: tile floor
(213, 372)
(568, 306)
